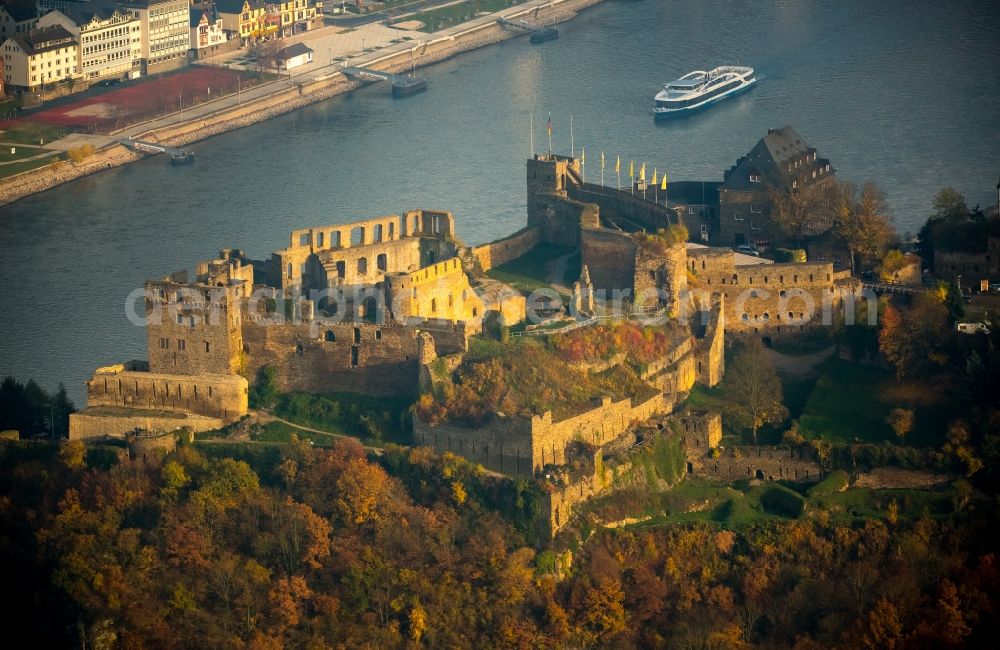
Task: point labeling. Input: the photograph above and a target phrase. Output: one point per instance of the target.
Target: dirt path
(799, 367)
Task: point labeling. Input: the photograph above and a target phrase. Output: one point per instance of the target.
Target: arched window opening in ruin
(392, 231)
(475, 312)
(357, 334)
(381, 262)
(791, 316)
(703, 265)
(723, 280)
(759, 475)
(434, 305)
(377, 233)
(781, 279)
(357, 236)
(766, 341)
(767, 317)
(753, 293)
(736, 279)
(745, 318)
(354, 356)
(783, 293)
(690, 468)
(378, 335)
(341, 269)
(795, 278)
(810, 277)
(299, 350)
(362, 265)
(208, 346)
(330, 336)
(765, 279)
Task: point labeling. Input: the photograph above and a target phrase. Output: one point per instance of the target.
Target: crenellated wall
(128, 386)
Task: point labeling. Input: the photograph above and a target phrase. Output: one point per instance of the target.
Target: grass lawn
(851, 401)
(450, 16)
(700, 499)
(19, 167)
(530, 271)
(30, 132)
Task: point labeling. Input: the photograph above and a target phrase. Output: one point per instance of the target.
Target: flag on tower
(631, 169)
(548, 127)
(664, 186)
(618, 165)
(654, 176)
(642, 173)
(583, 156)
(602, 160)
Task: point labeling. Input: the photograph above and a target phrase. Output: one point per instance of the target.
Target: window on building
(319, 239)
(181, 344)
(756, 208)
(754, 178)
(381, 262)
(208, 346)
(165, 344)
(362, 265)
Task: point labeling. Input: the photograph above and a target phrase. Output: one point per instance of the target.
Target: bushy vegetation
(326, 548)
(524, 378)
(640, 345)
(659, 242)
(377, 419)
(530, 376)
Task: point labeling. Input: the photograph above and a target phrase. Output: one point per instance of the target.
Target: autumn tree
(912, 339)
(901, 421)
(949, 205)
(757, 387)
(861, 221)
(799, 213)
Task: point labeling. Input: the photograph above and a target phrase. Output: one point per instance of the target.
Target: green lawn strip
(28, 165)
(452, 15)
(32, 132)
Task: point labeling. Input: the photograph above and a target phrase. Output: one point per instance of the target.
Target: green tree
(265, 391)
(949, 205)
(757, 387)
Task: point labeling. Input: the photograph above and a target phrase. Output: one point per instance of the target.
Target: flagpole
(583, 165)
(572, 144)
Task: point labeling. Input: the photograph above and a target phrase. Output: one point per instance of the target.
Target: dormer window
(754, 178)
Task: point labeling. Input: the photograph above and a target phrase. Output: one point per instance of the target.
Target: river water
(903, 93)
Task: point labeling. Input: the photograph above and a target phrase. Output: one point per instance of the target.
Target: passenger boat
(700, 88)
(181, 157)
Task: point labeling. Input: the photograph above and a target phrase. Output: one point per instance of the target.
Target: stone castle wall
(622, 206)
(193, 329)
(765, 297)
(770, 463)
(501, 251)
(97, 422)
(610, 258)
(321, 357)
(711, 347)
(441, 290)
(210, 395)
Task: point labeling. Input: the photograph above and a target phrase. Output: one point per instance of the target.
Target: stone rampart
(211, 395)
(623, 207)
(500, 252)
(761, 462)
(100, 421)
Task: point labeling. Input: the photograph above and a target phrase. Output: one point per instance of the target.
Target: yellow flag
(664, 186)
(631, 169)
(602, 160)
(642, 173)
(583, 156)
(654, 176)
(618, 165)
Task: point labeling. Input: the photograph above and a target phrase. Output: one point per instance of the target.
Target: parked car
(111, 82)
(747, 249)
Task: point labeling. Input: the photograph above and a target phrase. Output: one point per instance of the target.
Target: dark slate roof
(84, 12)
(771, 158)
(20, 11)
(294, 50)
(43, 40)
(232, 6)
